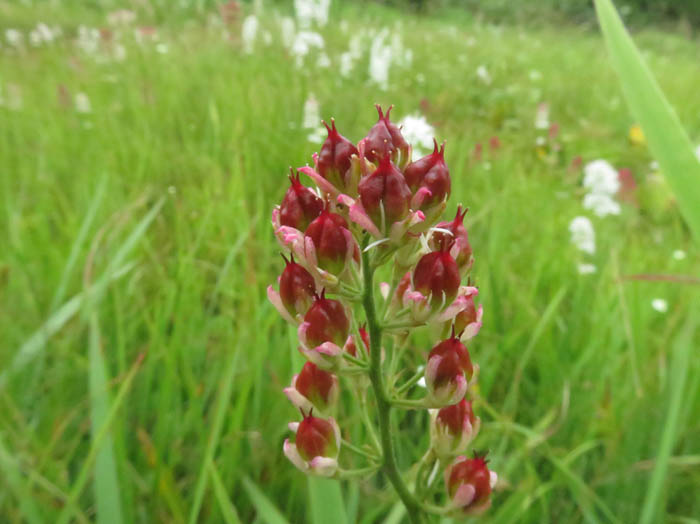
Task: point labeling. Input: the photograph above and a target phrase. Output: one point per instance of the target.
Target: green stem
(413, 507)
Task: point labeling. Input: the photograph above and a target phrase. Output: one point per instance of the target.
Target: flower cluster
(374, 207)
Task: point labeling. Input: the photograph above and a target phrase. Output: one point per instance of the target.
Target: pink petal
(464, 495)
(274, 297)
(321, 182)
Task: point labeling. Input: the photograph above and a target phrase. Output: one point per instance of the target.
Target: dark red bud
(315, 438)
(454, 353)
(328, 322)
(437, 273)
(315, 384)
(297, 288)
(300, 205)
(453, 416)
(334, 157)
(385, 187)
(385, 139)
(471, 471)
(459, 237)
(328, 233)
(432, 173)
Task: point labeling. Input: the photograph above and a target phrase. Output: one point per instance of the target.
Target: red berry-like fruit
(327, 322)
(385, 187)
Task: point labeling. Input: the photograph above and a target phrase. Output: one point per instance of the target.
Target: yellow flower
(636, 135)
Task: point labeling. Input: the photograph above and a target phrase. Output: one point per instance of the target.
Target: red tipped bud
(300, 205)
(332, 241)
(385, 139)
(455, 350)
(460, 248)
(326, 321)
(453, 428)
(313, 388)
(437, 275)
(385, 187)
(334, 157)
(351, 347)
(297, 288)
(469, 483)
(431, 173)
(316, 447)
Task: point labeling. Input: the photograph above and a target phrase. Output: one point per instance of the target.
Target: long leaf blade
(668, 141)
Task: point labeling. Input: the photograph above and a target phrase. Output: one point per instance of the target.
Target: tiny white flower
(601, 178)
(535, 75)
(417, 132)
(311, 118)
(586, 269)
(119, 52)
(540, 141)
(660, 305)
(601, 204)
(679, 254)
(323, 61)
(162, 48)
(483, 74)
(82, 103)
(35, 38)
(249, 31)
(654, 165)
(346, 64)
(287, 31)
(582, 234)
(542, 116)
(380, 58)
(303, 43)
(14, 37)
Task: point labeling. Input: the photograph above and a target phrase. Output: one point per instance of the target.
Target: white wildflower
(287, 31)
(82, 103)
(303, 43)
(483, 74)
(119, 52)
(14, 37)
(535, 76)
(660, 305)
(679, 254)
(323, 61)
(582, 234)
(310, 11)
(249, 31)
(586, 269)
(88, 39)
(346, 64)
(311, 117)
(601, 178)
(601, 204)
(162, 48)
(417, 132)
(542, 116)
(380, 58)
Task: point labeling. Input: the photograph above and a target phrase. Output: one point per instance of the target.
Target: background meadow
(140, 157)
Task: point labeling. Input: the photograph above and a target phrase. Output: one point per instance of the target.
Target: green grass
(153, 375)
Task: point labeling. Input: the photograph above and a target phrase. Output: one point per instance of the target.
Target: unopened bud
(335, 157)
(456, 234)
(385, 189)
(326, 321)
(300, 205)
(430, 173)
(316, 446)
(313, 388)
(453, 428)
(385, 139)
(332, 241)
(437, 276)
(469, 483)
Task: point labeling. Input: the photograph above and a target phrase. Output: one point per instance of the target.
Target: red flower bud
(469, 483)
(454, 353)
(437, 275)
(300, 205)
(431, 173)
(453, 428)
(317, 386)
(297, 288)
(385, 187)
(469, 315)
(385, 139)
(334, 157)
(316, 438)
(461, 250)
(332, 240)
(351, 347)
(327, 322)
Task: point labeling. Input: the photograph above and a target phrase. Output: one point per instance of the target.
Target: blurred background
(143, 145)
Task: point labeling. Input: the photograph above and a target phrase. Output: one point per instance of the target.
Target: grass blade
(682, 349)
(12, 477)
(326, 500)
(228, 510)
(82, 477)
(668, 141)
(267, 511)
(106, 480)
